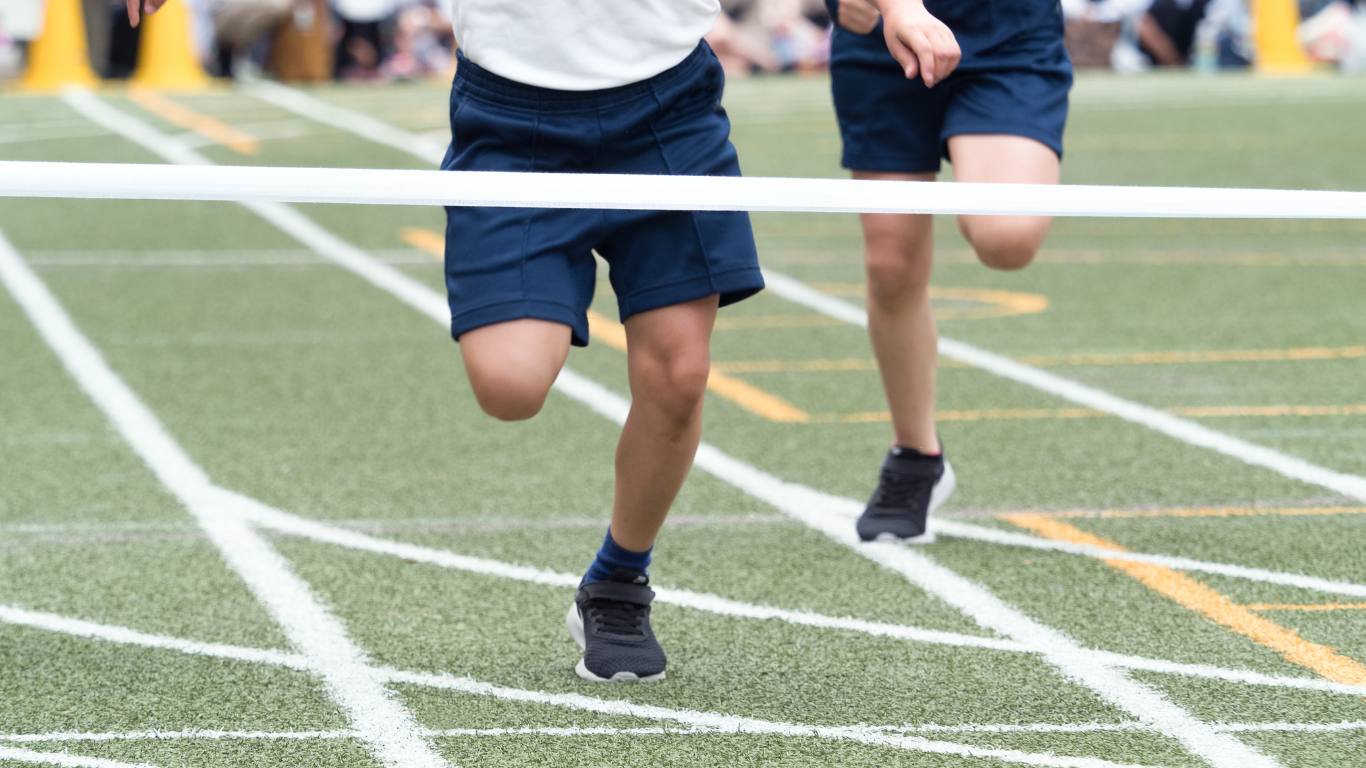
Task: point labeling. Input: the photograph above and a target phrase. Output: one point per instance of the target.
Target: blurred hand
(858, 16)
(922, 44)
(136, 7)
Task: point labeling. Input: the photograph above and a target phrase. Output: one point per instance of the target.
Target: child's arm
(921, 43)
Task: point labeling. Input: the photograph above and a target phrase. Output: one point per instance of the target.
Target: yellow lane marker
(998, 303)
(424, 240)
(761, 322)
(1325, 607)
(1269, 410)
(992, 414)
(1196, 512)
(1198, 597)
(1048, 361)
(1209, 356)
(749, 397)
(209, 128)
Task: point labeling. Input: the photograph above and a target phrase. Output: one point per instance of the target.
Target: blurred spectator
(771, 35)
(20, 22)
(237, 25)
(423, 42)
(1335, 33)
(1135, 34)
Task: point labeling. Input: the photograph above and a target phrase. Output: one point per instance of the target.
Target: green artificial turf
(293, 382)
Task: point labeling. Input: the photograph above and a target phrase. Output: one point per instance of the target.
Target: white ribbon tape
(683, 193)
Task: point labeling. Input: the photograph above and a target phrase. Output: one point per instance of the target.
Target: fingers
(904, 56)
(134, 11)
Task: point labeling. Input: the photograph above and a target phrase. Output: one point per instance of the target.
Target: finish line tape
(674, 193)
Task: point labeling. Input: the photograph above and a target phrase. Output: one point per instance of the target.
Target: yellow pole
(1274, 27)
(59, 56)
(165, 59)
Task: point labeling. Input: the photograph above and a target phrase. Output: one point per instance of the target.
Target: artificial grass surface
(293, 382)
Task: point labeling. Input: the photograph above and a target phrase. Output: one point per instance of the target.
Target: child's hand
(858, 16)
(136, 7)
(921, 43)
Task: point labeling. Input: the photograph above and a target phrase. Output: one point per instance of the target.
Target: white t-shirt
(580, 45)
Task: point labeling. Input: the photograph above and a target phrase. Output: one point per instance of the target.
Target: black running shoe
(911, 487)
(610, 620)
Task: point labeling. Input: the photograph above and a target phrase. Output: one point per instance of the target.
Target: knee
(509, 395)
(894, 276)
(675, 382)
(1005, 243)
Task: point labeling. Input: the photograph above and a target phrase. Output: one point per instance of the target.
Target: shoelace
(616, 617)
(897, 490)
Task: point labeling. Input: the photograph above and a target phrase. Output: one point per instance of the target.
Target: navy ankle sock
(613, 556)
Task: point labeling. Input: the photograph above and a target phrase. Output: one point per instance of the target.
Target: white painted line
(63, 759)
(711, 722)
(1014, 539)
(293, 524)
(736, 724)
(80, 628)
(363, 186)
(300, 103)
(62, 736)
(829, 515)
(211, 735)
(388, 729)
(1185, 430)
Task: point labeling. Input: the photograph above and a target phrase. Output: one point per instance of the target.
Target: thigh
(1002, 159)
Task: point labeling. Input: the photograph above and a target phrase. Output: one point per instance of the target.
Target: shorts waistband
(481, 83)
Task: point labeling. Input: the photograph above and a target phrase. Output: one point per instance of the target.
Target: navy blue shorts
(895, 125)
(510, 263)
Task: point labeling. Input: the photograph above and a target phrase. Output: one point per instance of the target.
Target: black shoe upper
(616, 625)
(901, 503)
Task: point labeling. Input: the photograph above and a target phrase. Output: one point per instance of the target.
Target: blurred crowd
(398, 39)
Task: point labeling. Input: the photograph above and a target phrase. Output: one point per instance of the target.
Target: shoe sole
(948, 483)
(574, 623)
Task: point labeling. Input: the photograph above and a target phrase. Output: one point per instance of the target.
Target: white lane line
(63, 759)
(382, 723)
(67, 736)
(360, 124)
(1173, 426)
(115, 634)
(1014, 539)
(285, 522)
(292, 524)
(697, 720)
(825, 513)
(385, 725)
(737, 724)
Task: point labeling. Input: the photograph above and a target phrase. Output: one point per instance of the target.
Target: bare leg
(512, 365)
(898, 255)
(1004, 242)
(669, 357)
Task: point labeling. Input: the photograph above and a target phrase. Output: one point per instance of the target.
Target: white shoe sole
(574, 623)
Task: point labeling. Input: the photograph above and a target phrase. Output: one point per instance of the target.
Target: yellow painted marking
(1269, 410)
(209, 128)
(1200, 598)
(747, 396)
(1210, 356)
(758, 322)
(1199, 512)
(783, 366)
(992, 414)
(998, 303)
(424, 240)
(1325, 607)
